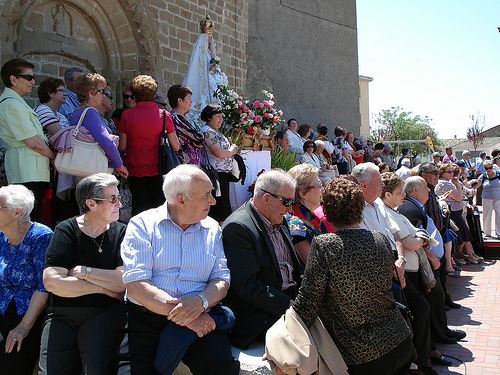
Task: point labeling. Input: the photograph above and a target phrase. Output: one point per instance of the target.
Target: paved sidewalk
(478, 291)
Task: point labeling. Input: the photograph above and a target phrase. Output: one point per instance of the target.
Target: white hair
(18, 196)
(406, 162)
(320, 143)
(273, 181)
(178, 181)
(364, 171)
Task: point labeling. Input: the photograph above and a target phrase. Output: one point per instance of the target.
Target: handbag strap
(80, 120)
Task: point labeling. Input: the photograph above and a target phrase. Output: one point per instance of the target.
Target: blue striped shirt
(180, 262)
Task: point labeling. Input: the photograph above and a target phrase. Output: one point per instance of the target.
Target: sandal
(469, 259)
(454, 274)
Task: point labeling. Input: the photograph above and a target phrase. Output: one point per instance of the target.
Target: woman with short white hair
(23, 245)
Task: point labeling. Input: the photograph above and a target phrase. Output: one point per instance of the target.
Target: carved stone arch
(111, 37)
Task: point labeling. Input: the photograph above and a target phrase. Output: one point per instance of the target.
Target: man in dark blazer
(265, 269)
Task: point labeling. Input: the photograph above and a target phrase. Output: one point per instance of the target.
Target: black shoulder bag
(168, 159)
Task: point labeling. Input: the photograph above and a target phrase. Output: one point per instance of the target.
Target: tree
(475, 130)
(397, 125)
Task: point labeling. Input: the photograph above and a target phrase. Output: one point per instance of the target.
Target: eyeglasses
(60, 90)
(112, 199)
(309, 146)
(125, 96)
(287, 202)
(102, 91)
(27, 77)
(434, 172)
(108, 95)
(487, 168)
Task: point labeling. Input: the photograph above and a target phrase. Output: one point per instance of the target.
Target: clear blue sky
(439, 58)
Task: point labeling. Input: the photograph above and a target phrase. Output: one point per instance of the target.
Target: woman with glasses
(28, 154)
(303, 223)
(83, 273)
(23, 245)
(220, 155)
(140, 129)
(51, 96)
(490, 180)
(128, 103)
(90, 89)
(309, 156)
(450, 190)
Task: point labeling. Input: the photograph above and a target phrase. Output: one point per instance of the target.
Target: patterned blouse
(21, 267)
(347, 283)
(304, 224)
(190, 139)
(213, 136)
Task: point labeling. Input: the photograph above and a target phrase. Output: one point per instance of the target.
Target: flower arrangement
(265, 115)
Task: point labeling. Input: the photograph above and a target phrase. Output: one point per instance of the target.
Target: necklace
(99, 246)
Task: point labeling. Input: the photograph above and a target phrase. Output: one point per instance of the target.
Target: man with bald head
(413, 207)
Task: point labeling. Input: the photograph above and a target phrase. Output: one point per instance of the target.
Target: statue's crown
(207, 25)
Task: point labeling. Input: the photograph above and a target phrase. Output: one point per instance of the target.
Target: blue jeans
(175, 340)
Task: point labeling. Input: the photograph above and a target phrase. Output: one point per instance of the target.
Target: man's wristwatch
(204, 301)
(88, 271)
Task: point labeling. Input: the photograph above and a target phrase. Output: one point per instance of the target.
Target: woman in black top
(83, 270)
(347, 283)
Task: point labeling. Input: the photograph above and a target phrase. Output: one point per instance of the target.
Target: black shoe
(453, 305)
(446, 340)
(456, 334)
(441, 361)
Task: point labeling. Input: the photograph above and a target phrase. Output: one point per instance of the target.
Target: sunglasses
(287, 202)
(102, 91)
(108, 95)
(27, 77)
(125, 96)
(487, 168)
(112, 199)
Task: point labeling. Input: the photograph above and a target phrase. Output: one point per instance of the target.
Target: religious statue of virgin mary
(204, 74)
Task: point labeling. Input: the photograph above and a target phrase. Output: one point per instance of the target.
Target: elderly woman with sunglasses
(28, 154)
(303, 223)
(83, 273)
(90, 89)
(23, 245)
(309, 156)
(450, 190)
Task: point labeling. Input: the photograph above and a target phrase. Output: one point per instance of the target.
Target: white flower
(250, 122)
(271, 103)
(235, 95)
(227, 107)
(280, 112)
(243, 115)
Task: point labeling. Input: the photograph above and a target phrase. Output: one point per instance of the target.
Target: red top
(142, 125)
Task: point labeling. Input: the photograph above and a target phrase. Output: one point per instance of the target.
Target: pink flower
(261, 105)
(266, 103)
(276, 119)
(266, 115)
(258, 118)
(256, 103)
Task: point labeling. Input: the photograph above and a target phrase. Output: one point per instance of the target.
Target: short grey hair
(92, 187)
(413, 182)
(273, 181)
(18, 196)
(364, 171)
(178, 181)
(320, 143)
(68, 73)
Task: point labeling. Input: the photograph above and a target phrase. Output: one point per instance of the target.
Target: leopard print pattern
(347, 283)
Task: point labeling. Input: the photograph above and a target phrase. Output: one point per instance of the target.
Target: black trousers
(396, 362)
(146, 193)
(222, 208)
(23, 362)
(38, 188)
(436, 298)
(81, 340)
(421, 314)
(209, 355)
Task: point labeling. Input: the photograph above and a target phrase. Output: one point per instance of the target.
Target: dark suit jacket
(255, 294)
(413, 213)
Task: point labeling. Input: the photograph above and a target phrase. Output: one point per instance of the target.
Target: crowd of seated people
(186, 278)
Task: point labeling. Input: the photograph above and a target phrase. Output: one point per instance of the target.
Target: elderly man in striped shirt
(176, 274)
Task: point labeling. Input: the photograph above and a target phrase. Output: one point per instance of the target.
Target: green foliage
(282, 159)
(397, 125)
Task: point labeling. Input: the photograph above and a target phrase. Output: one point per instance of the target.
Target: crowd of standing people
(361, 259)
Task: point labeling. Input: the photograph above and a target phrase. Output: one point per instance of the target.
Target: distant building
(364, 104)
(491, 140)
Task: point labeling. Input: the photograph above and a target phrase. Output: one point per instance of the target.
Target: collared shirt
(281, 250)
(404, 172)
(19, 122)
(179, 262)
(71, 103)
(437, 249)
(375, 217)
(450, 159)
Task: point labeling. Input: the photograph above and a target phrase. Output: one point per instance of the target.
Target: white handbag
(84, 158)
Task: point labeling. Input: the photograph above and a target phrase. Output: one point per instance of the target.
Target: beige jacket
(297, 349)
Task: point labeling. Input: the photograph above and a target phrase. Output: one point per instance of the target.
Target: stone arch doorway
(106, 36)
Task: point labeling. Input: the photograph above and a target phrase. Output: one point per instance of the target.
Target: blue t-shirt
(491, 187)
(21, 267)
